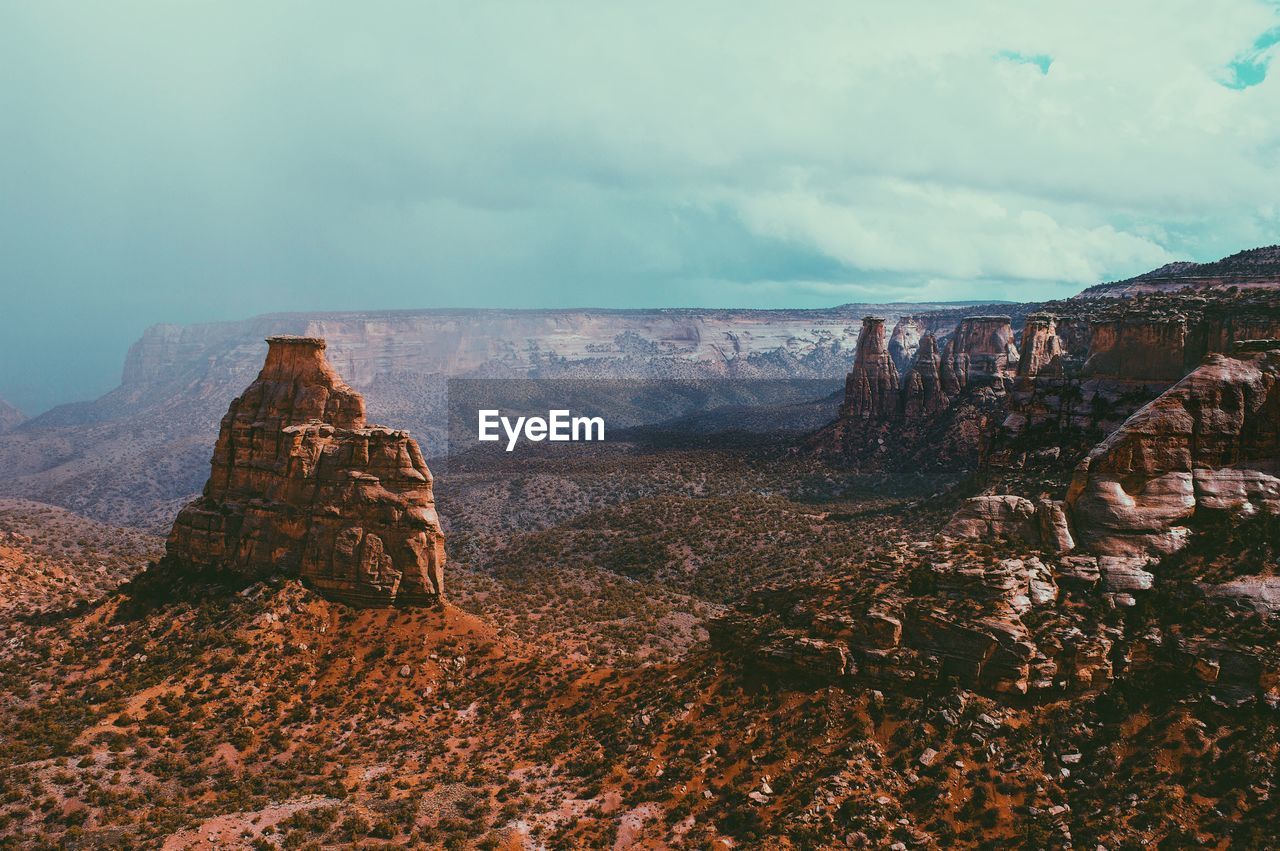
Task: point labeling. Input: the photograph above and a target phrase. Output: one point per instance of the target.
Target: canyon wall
(136, 454)
(1211, 442)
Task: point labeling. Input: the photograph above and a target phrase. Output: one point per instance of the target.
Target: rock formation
(1211, 442)
(904, 341)
(941, 408)
(1042, 524)
(922, 391)
(871, 388)
(302, 486)
(1040, 345)
(1207, 447)
(983, 346)
(987, 623)
(1138, 348)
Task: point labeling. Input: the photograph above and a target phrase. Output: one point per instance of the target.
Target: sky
(185, 161)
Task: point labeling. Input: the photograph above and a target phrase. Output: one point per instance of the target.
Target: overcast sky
(191, 161)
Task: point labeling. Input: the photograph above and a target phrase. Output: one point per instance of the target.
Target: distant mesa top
(1257, 345)
(1255, 268)
(300, 486)
(296, 340)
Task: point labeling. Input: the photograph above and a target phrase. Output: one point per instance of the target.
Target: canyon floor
(567, 695)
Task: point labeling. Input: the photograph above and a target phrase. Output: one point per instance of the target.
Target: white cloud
(218, 159)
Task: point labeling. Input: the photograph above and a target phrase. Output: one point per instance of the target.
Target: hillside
(10, 417)
(51, 558)
(1255, 268)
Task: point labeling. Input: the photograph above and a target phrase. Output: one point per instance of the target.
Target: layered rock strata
(923, 393)
(1206, 448)
(1138, 349)
(302, 486)
(871, 388)
(983, 346)
(1041, 345)
(1212, 442)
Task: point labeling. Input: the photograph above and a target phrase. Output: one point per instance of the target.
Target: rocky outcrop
(1210, 443)
(923, 394)
(1040, 345)
(989, 518)
(904, 341)
(1042, 524)
(871, 388)
(302, 486)
(987, 623)
(983, 346)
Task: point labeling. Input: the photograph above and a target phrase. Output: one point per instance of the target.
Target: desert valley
(969, 575)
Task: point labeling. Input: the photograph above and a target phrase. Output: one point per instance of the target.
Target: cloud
(183, 162)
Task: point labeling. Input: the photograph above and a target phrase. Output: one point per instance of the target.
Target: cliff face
(1138, 349)
(137, 454)
(500, 343)
(302, 486)
(983, 346)
(1212, 442)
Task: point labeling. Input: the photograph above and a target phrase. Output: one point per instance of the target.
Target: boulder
(1043, 524)
(988, 518)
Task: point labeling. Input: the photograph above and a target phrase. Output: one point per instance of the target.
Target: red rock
(983, 345)
(1211, 442)
(922, 391)
(871, 388)
(989, 518)
(301, 486)
(1040, 345)
(1138, 349)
